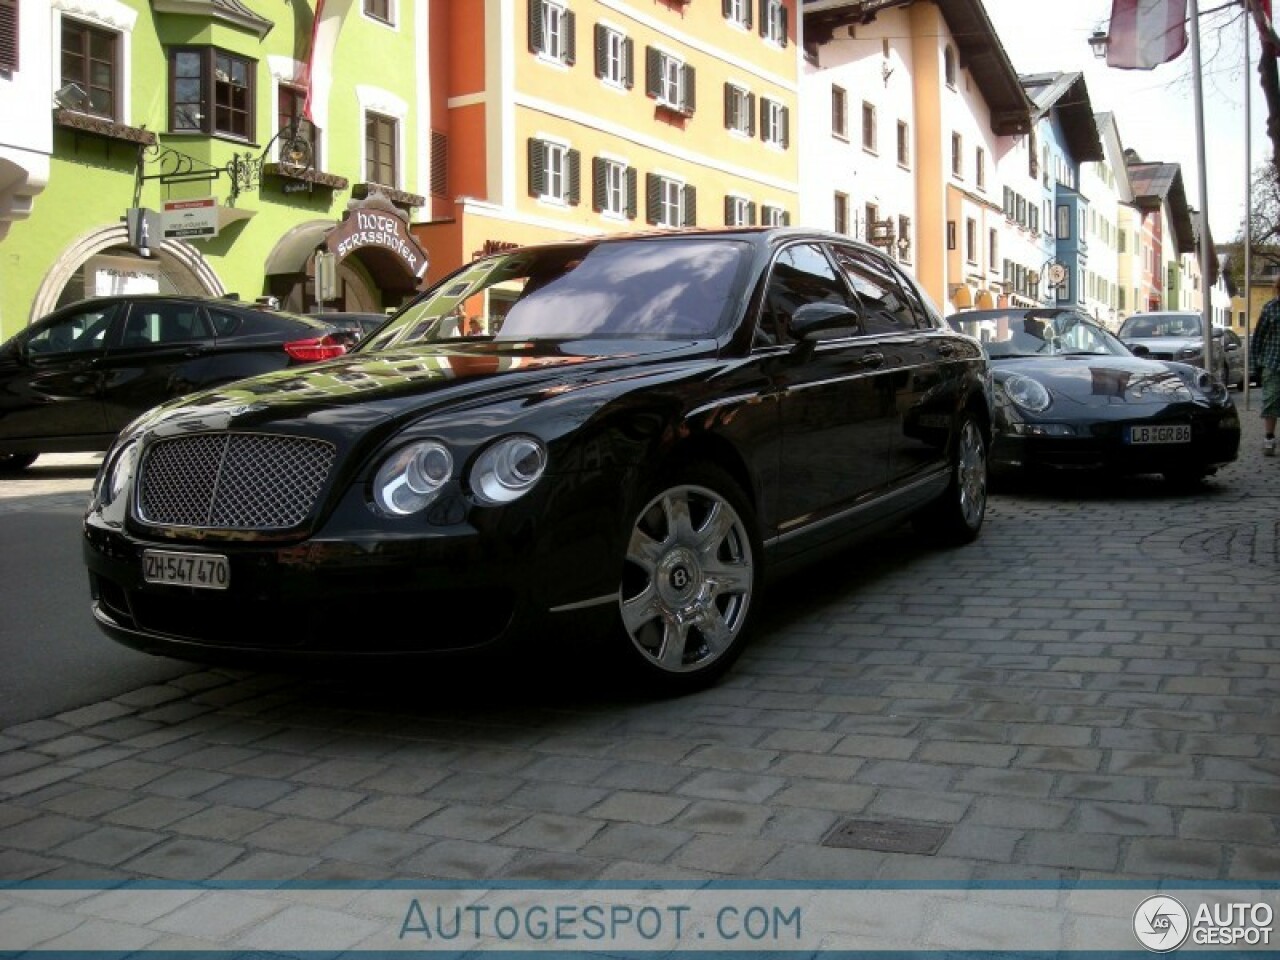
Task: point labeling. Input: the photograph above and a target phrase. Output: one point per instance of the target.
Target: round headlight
(121, 472)
(508, 469)
(1027, 393)
(410, 478)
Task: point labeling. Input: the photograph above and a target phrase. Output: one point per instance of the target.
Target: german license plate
(208, 571)
(1172, 433)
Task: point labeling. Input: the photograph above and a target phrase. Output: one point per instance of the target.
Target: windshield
(636, 289)
(1030, 333)
(1161, 325)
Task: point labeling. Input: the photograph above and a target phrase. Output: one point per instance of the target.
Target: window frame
(773, 22)
(553, 32)
(377, 119)
(957, 155)
(870, 125)
(209, 55)
(737, 12)
(739, 110)
(775, 123)
(839, 112)
(904, 145)
(115, 41)
(615, 57)
(613, 188)
(388, 19)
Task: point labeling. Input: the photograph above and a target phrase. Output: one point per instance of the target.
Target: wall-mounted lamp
(1098, 43)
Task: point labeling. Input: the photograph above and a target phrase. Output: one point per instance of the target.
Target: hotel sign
(380, 229)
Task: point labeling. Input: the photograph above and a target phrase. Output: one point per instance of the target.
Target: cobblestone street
(1088, 692)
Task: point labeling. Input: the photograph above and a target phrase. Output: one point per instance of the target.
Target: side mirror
(1139, 350)
(810, 321)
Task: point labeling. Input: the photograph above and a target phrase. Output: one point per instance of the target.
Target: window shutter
(570, 37)
(599, 181)
(751, 214)
(8, 36)
(575, 177)
(631, 193)
(786, 218)
(653, 197)
(537, 168)
(764, 17)
(729, 101)
(602, 49)
(535, 26)
(629, 62)
(726, 8)
(782, 25)
(746, 12)
(751, 114)
(785, 120)
(728, 211)
(690, 205)
(652, 72)
(764, 118)
(439, 164)
(690, 90)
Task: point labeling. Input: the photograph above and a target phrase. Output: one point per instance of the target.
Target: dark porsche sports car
(1069, 395)
(620, 434)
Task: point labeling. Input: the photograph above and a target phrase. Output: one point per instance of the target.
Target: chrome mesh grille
(233, 481)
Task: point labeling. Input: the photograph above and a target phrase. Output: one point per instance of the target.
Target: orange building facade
(554, 119)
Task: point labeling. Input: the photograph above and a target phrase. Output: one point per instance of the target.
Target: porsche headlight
(117, 477)
(410, 478)
(508, 469)
(1027, 393)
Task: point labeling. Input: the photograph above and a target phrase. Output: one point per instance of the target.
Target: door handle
(871, 360)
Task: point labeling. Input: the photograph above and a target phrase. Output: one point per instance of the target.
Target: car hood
(411, 382)
(1097, 380)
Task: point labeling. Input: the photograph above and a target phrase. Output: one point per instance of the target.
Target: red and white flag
(1146, 33)
(311, 58)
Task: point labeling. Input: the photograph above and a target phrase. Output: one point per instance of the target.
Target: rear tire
(957, 516)
(16, 462)
(691, 575)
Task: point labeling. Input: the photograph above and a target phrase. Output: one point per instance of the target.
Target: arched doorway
(101, 262)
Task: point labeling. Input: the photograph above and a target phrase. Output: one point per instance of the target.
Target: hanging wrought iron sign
(296, 160)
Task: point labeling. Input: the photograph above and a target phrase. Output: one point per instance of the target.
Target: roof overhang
(981, 52)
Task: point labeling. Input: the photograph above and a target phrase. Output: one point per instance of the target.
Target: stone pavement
(1088, 692)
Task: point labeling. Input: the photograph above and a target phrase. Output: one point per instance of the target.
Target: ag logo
(1161, 924)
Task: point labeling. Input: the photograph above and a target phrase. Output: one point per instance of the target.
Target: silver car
(1176, 335)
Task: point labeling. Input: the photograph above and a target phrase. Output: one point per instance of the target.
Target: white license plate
(208, 571)
(1175, 433)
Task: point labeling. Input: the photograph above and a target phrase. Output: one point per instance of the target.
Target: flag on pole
(1146, 33)
(311, 57)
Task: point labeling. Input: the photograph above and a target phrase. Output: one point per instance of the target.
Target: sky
(1155, 109)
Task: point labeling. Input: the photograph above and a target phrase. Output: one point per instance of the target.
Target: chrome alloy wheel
(688, 578)
(971, 475)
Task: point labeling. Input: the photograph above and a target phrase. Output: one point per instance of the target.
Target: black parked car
(1069, 396)
(622, 433)
(73, 379)
(361, 324)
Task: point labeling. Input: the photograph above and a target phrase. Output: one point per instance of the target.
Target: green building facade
(191, 112)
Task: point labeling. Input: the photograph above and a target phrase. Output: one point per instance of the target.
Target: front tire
(691, 572)
(957, 516)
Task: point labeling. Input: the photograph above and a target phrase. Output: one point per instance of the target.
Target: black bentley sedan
(72, 379)
(621, 434)
(1071, 396)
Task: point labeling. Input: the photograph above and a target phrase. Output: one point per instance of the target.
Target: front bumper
(364, 594)
(1102, 444)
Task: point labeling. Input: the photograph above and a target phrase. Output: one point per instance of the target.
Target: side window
(79, 333)
(162, 322)
(224, 323)
(801, 274)
(885, 308)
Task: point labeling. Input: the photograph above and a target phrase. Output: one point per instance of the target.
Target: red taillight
(317, 348)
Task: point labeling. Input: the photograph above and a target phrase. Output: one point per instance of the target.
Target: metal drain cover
(887, 836)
